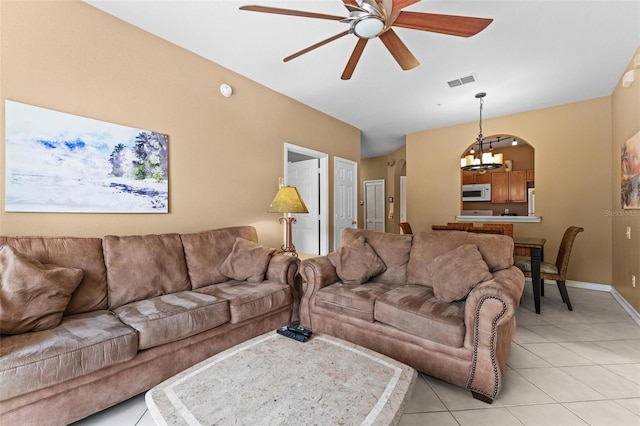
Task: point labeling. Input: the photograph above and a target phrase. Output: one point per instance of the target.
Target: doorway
(308, 171)
(374, 205)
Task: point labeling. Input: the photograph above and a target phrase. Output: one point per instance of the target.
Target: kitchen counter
(500, 219)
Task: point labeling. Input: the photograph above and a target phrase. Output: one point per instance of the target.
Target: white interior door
(345, 192)
(306, 231)
(374, 204)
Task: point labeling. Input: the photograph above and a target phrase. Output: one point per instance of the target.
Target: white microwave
(476, 192)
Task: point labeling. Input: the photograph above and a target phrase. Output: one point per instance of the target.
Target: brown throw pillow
(356, 262)
(454, 273)
(247, 261)
(33, 296)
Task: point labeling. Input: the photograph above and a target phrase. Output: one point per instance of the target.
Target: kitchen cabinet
(469, 178)
(531, 175)
(509, 187)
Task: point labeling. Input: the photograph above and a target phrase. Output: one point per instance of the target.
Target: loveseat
(443, 302)
(89, 322)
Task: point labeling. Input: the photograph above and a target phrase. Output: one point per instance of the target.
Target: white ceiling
(535, 54)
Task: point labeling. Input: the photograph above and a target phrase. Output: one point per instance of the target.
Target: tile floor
(565, 368)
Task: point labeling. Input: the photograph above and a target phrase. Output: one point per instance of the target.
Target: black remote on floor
(284, 331)
(297, 328)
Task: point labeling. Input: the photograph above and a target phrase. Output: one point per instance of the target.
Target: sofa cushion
(415, 309)
(356, 262)
(80, 345)
(143, 266)
(248, 261)
(393, 250)
(250, 300)
(172, 317)
(454, 274)
(356, 300)
(205, 251)
(33, 296)
(81, 253)
(496, 250)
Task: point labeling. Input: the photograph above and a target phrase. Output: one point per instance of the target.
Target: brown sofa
(442, 302)
(146, 307)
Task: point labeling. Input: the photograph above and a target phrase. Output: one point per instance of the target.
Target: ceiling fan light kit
(370, 19)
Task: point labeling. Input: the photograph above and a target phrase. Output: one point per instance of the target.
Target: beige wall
(626, 253)
(573, 178)
(225, 154)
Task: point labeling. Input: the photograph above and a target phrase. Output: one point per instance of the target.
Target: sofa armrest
(507, 286)
(490, 327)
(317, 272)
(283, 269)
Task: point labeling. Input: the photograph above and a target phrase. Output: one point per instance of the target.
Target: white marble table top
(274, 380)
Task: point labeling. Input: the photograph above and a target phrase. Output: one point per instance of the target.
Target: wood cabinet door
(483, 178)
(531, 175)
(518, 186)
(500, 187)
(468, 178)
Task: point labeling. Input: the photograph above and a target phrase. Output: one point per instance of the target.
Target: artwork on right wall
(630, 182)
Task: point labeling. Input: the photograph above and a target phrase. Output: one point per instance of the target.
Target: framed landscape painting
(59, 162)
(630, 173)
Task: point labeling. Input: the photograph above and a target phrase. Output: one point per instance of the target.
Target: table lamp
(288, 200)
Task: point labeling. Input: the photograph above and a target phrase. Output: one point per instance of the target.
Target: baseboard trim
(606, 288)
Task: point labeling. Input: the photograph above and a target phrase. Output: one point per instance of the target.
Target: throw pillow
(247, 261)
(356, 262)
(33, 296)
(454, 274)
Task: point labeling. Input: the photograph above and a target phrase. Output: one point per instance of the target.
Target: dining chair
(504, 228)
(557, 271)
(405, 228)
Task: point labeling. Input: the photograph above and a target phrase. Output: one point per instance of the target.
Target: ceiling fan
(374, 18)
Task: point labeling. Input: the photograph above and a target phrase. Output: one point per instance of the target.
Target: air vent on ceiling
(471, 78)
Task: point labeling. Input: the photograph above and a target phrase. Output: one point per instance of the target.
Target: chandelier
(483, 161)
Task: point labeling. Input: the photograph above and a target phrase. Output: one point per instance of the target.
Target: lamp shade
(288, 200)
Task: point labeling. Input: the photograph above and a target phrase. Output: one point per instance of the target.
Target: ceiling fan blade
(398, 50)
(315, 46)
(401, 4)
(353, 60)
(279, 11)
(462, 26)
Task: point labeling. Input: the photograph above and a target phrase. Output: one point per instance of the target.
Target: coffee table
(272, 379)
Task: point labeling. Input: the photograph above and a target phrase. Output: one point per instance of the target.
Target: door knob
(353, 222)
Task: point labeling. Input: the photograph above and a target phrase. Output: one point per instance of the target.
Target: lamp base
(289, 248)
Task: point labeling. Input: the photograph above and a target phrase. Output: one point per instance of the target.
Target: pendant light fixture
(483, 161)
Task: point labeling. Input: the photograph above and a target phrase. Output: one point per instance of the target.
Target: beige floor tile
(631, 404)
(604, 381)
(524, 335)
(565, 333)
(146, 420)
(516, 390)
(423, 399)
(423, 419)
(627, 348)
(603, 413)
(555, 354)
(595, 353)
(560, 385)
(486, 417)
(520, 357)
(546, 415)
(457, 398)
(628, 371)
(127, 412)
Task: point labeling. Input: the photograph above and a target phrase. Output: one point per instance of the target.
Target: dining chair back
(555, 271)
(405, 228)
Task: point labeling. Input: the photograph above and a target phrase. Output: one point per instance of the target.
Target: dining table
(533, 247)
